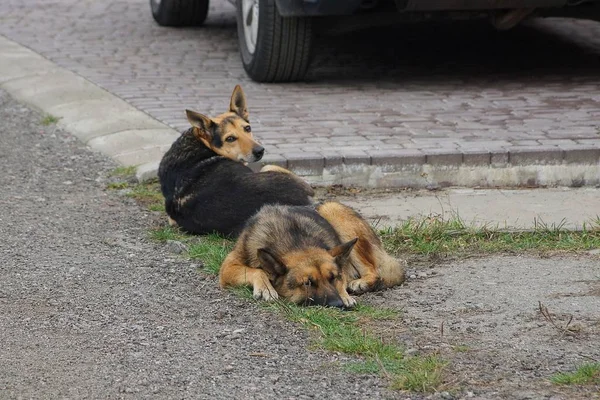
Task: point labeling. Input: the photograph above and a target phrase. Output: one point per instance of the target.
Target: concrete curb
(109, 124)
(98, 118)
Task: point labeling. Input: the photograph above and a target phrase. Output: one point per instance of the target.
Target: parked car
(276, 36)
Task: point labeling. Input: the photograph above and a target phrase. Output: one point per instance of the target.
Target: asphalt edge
(109, 124)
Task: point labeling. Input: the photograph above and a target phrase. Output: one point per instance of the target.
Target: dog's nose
(335, 302)
(258, 152)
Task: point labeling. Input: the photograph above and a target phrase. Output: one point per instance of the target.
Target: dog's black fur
(205, 192)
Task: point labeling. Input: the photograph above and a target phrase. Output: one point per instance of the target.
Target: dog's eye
(332, 278)
(231, 139)
(247, 128)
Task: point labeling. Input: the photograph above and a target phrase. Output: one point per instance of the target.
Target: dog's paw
(358, 286)
(349, 301)
(172, 222)
(265, 292)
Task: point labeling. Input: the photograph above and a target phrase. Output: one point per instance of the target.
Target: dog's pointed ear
(342, 252)
(202, 123)
(238, 102)
(271, 263)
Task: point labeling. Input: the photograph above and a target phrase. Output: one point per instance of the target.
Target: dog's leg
(340, 286)
(276, 168)
(234, 273)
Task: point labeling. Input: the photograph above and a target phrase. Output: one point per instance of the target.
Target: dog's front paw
(358, 286)
(265, 292)
(349, 301)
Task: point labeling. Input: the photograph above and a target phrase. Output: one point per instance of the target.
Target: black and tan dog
(204, 179)
(310, 256)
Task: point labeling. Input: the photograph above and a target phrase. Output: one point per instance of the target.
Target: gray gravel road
(89, 308)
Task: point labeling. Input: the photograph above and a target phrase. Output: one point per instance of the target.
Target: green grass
(587, 374)
(49, 120)
(122, 172)
(340, 331)
(334, 329)
(211, 250)
(164, 233)
(461, 348)
(435, 236)
(117, 185)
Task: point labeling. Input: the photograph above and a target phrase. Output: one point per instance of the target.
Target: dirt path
(483, 315)
(90, 308)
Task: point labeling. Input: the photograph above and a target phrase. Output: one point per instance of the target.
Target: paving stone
(352, 102)
(528, 155)
(476, 157)
(304, 163)
(443, 157)
(356, 157)
(393, 160)
(581, 154)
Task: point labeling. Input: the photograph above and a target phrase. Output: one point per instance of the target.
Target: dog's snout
(258, 152)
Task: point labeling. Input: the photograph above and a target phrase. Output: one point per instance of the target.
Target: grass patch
(461, 348)
(49, 120)
(435, 236)
(148, 194)
(117, 185)
(165, 233)
(212, 250)
(587, 374)
(376, 314)
(340, 331)
(123, 172)
(334, 329)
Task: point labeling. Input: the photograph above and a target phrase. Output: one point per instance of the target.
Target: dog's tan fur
(291, 252)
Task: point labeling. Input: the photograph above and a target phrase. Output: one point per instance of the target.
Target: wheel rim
(250, 21)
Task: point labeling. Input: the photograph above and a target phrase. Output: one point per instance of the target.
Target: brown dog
(310, 256)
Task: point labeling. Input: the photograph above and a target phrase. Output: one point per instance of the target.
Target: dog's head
(311, 276)
(229, 134)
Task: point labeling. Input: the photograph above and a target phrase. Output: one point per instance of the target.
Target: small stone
(228, 368)
(594, 252)
(176, 246)
(238, 330)
(411, 351)
(67, 182)
(470, 394)
(446, 396)
(413, 276)
(422, 274)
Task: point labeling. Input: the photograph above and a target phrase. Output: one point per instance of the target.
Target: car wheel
(273, 48)
(179, 12)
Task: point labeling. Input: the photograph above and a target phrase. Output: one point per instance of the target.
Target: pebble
(413, 276)
(176, 246)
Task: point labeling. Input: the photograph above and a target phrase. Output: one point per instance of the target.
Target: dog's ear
(342, 252)
(202, 122)
(271, 263)
(238, 102)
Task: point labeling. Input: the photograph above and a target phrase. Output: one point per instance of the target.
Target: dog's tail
(392, 270)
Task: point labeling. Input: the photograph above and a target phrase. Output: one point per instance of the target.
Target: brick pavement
(446, 95)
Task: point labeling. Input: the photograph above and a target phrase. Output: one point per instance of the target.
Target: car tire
(276, 48)
(179, 12)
